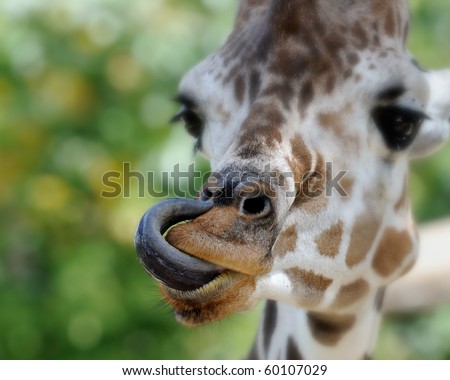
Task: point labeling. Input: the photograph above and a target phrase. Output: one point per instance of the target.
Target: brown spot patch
(292, 351)
(328, 329)
(352, 58)
(264, 115)
(260, 130)
(334, 122)
(330, 84)
(312, 197)
(286, 242)
(284, 91)
(329, 241)
(306, 94)
(363, 234)
(389, 25)
(242, 17)
(331, 121)
(291, 20)
(287, 63)
(254, 85)
(360, 36)
(301, 161)
(239, 88)
(376, 40)
(351, 293)
(309, 287)
(255, 140)
(347, 73)
(270, 322)
(393, 248)
(231, 74)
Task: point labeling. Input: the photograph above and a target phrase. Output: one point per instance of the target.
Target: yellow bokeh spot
(95, 173)
(124, 219)
(49, 193)
(67, 91)
(124, 72)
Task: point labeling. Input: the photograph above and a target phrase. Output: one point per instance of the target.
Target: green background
(86, 86)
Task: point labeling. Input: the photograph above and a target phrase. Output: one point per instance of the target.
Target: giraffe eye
(192, 121)
(398, 125)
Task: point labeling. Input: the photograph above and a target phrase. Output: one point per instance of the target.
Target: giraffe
(309, 114)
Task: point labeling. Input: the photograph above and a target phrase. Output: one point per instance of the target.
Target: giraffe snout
(250, 195)
(238, 232)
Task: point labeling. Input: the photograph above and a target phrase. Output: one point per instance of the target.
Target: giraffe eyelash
(193, 121)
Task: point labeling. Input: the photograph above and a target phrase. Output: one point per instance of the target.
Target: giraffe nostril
(257, 207)
(206, 194)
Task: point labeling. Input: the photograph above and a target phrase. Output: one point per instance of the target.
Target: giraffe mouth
(173, 268)
(216, 242)
(208, 266)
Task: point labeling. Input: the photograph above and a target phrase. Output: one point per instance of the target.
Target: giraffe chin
(207, 266)
(227, 293)
(210, 237)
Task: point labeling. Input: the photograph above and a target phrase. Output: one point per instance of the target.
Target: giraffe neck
(291, 333)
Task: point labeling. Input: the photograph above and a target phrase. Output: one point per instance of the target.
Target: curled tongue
(173, 268)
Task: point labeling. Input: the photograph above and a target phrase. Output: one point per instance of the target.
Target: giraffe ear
(435, 131)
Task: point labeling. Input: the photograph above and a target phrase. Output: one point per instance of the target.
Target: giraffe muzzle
(171, 267)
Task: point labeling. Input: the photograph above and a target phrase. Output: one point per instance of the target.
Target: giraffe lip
(209, 290)
(172, 267)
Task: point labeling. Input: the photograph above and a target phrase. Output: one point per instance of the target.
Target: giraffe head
(309, 114)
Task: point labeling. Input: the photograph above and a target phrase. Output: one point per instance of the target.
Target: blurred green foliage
(84, 87)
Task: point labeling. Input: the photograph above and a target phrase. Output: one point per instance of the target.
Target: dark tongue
(173, 268)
